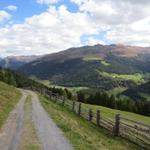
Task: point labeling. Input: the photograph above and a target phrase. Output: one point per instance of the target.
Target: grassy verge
(9, 96)
(110, 113)
(29, 136)
(82, 134)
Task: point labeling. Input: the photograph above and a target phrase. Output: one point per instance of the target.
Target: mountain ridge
(118, 49)
(89, 65)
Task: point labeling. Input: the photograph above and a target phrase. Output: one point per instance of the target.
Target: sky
(35, 27)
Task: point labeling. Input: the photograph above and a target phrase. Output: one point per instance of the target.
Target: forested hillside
(18, 80)
(99, 66)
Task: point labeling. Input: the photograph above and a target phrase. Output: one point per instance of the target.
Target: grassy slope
(91, 58)
(137, 78)
(9, 96)
(82, 134)
(110, 113)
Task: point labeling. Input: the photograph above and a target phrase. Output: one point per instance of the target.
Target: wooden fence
(136, 132)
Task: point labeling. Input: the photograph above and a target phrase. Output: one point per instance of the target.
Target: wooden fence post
(98, 117)
(90, 114)
(79, 110)
(117, 125)
(73, 106)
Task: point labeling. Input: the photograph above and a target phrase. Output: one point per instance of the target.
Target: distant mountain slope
(17, 61)
(88, 66)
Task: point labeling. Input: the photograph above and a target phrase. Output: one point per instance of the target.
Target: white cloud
(135, 34)
(128, 20)
(47, 1)
(48, 32)
(124, 21)
(114, 12)
(4, 15)
(11, 7)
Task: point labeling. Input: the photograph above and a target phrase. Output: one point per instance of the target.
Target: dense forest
(103, 99)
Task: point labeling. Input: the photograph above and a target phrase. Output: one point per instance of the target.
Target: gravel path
(51, 137)
(11, 132)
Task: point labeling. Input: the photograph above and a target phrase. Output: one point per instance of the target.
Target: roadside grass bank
(82, 134)
(9, 96)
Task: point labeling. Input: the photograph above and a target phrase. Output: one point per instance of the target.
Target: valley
(103, 67)
(100, 79)
(75, 75)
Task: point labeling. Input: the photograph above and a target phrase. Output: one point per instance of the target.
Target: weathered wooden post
(98, 117)
(90, 114)
(73, 106)
(117, 125)
(79, 110)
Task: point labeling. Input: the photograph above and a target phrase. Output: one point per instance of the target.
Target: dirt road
(49, 135)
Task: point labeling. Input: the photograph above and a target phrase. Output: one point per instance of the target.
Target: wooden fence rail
(134, 131)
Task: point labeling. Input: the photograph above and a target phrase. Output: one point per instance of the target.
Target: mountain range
(102, 67)
(99, 66)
